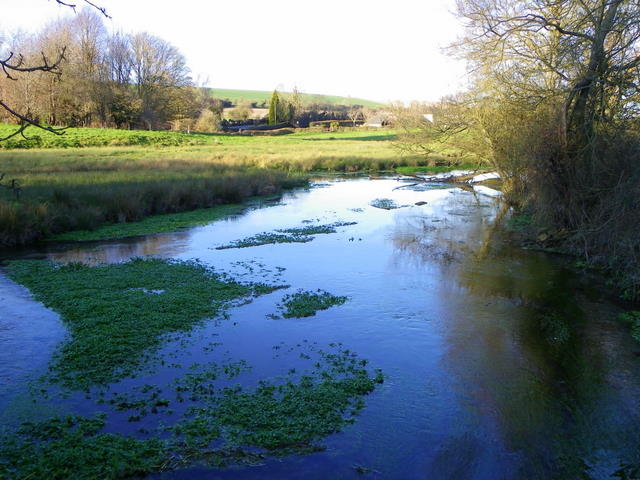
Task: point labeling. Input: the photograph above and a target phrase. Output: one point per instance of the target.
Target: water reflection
(529, 366)
(163, 245)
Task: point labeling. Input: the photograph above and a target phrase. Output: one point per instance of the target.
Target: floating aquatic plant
(285, 416)
(231, 425)
(306, 304)
(384, 203)
(286, 235)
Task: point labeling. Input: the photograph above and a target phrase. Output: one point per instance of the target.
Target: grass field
(259, 96)
(99, 137)
(73, 188)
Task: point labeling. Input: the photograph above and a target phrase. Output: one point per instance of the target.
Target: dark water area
(499, 363)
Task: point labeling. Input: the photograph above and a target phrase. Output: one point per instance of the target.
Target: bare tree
(73, 6)
(557, 95)
(444, 132)
(14, 64)
(585, 53)
(241, 112)
(355, 114)
(161, 78)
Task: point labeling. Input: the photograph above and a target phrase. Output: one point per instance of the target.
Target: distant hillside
(259, 96)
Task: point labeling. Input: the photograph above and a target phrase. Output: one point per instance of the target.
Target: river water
(498, 362)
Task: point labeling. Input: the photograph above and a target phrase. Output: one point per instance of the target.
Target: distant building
(375, 121)
(254, 113)
(381, 118)
(384, 119)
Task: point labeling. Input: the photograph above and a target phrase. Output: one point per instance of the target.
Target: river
(499, 363)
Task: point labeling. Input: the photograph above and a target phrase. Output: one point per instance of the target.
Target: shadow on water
(537, 356)
(551, 400)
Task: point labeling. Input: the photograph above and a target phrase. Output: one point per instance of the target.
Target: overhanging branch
(73, 6)
(13, 63)
(27, 122)
(17, 65)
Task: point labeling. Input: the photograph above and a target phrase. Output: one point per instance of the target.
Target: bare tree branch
(17, 66)
(73, 6)
(27, 122)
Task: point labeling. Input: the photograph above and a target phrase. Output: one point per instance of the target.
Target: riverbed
(498, 362)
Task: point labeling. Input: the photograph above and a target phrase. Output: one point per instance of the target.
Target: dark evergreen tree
(274, 108)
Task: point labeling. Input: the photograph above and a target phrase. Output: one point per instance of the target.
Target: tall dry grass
(87, 206)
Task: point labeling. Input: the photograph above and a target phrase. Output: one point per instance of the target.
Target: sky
(374, 49)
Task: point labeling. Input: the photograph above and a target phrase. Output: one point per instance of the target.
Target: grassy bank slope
(259, 96)
(53, 201)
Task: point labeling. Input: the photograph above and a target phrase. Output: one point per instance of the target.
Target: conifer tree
(273, 108)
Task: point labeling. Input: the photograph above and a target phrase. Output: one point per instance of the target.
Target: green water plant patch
(223, 426)
(266, 239)
(72, 447)
(384, 203)
(286, 235)
(316, 229)
(142, 401)
(288, 416)
(306, 304)
(118, 314)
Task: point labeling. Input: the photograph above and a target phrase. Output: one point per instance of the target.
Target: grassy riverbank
(168, 222)
(70, 189)
(433, 169)
(85, 201)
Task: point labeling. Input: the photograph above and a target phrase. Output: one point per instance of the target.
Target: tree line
(100, 78)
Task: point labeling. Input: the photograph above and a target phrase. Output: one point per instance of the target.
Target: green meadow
(98, 137)
(259, 96)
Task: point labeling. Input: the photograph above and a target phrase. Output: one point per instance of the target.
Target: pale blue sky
(379, 50)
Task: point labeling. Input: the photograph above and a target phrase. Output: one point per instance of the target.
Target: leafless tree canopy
(14, 63)
(586, 51)
(75, 73)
